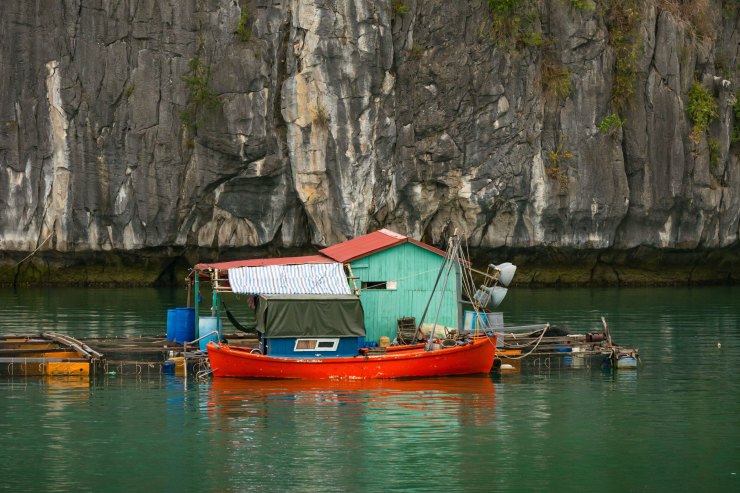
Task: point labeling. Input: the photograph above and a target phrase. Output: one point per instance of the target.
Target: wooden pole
(195, 301)
(214, 296)
(459, 294)
(606, 331)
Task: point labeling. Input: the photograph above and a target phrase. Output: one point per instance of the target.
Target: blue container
(207, 325)
(171, 323)
(181, 325)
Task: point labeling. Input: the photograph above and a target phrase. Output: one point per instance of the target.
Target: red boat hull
(477, 357)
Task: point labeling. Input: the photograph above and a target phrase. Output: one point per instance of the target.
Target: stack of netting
(406, 330)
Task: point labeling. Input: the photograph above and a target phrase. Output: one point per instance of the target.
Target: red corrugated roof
(347, 251)
(427, 247)
(374, 242)
(362, 246)
(259, 262)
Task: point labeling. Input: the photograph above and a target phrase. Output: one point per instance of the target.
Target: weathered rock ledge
(642, 266)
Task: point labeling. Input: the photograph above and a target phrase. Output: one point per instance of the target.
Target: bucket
(178, 363)
(384, 341)
(207, 325)
(181, 324)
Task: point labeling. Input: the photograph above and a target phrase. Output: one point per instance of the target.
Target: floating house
(393, 275)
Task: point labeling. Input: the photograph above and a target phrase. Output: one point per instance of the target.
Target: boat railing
(190, 343)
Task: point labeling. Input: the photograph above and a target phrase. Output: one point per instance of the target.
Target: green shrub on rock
(702, 108)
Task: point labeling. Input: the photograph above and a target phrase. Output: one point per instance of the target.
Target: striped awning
(290, 279)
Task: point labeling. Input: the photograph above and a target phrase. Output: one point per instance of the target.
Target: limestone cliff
(565, 125)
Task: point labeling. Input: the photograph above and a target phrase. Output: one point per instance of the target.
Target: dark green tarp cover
(310, 316)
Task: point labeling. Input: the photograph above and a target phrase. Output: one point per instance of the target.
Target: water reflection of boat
(317, 422)
(231, 395)
(464, 385)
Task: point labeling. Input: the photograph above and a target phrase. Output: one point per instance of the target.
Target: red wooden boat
(475, 357)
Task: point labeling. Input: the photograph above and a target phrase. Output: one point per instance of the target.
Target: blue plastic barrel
(171, 323)
(207, 325)
(180, 324)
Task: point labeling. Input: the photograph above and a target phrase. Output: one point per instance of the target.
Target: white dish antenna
(506, 272)
(490, 298)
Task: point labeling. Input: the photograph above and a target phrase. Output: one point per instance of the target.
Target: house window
(316, 344)
(380, 285)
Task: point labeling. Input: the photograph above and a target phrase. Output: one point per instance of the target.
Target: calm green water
(673, 425)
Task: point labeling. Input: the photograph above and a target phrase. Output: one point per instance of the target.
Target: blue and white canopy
(328, 278)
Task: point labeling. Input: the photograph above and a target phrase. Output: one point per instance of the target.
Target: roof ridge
(393, 234)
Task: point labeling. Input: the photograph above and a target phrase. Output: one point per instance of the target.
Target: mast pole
(459, 294)
(452, 258)
(431, 295)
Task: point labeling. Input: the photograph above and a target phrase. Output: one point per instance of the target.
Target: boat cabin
(310, 326)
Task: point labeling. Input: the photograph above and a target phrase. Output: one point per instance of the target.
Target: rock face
(136, 125)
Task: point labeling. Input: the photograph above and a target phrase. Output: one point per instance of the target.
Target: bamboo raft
(48, 353)
(545, 347)
(59, 355)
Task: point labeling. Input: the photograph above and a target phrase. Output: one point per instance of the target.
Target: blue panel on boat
(181, 324)
(285, 347)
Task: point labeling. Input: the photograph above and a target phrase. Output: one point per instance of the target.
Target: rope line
(36, 250)
(522, 356)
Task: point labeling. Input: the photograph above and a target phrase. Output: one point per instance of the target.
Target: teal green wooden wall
(414, 269)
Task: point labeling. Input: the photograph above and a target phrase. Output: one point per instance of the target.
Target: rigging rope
(522, 356)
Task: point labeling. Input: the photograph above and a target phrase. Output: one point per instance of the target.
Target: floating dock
(538, 347)
(48, 353)
(54, 354)
(547, 347)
